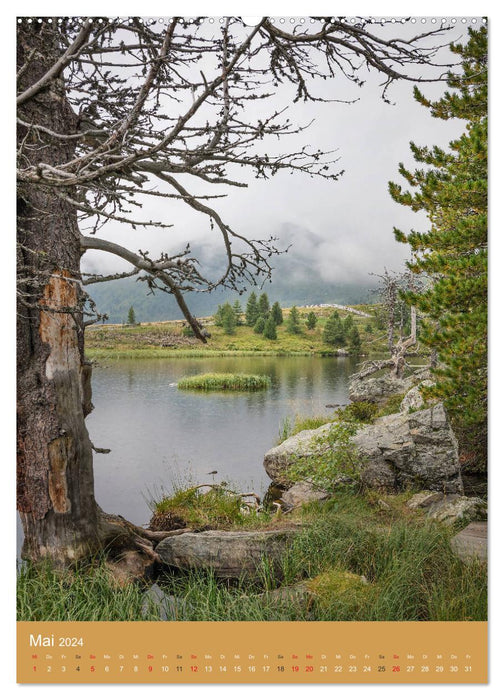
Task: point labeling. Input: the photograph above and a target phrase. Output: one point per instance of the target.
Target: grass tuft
(225, 382)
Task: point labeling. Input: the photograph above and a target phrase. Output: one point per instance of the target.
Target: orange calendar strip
(252, 652)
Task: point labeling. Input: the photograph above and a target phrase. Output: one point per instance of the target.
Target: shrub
(335, 461)
(359, 411)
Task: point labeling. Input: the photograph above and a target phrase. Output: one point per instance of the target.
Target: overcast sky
(354, 217)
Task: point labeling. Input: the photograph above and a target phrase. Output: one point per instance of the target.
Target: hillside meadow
(171, 338)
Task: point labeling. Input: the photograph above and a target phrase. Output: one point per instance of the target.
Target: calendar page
(252, 349)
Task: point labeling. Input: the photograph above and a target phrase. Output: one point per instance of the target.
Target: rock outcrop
(230, 555)
(403, 450)
(411, 450)
(413, 400)
(379, 389)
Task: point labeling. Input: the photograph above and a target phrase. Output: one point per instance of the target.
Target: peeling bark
(55, 471)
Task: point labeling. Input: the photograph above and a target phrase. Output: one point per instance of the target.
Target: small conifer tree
(311, 321)
(348, 324)
(228, 319)
(354, 341)
(293, 322)
(252, 310)
(276, 311)
(131, 316)
(259, 325)
(218, 316)
(269, 331)
(264, 305)
(334, 333)
(238, 312)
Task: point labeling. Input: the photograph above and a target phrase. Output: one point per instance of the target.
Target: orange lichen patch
(58, 458)
(57, 328)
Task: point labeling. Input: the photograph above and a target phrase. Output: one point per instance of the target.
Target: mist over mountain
(308, 273)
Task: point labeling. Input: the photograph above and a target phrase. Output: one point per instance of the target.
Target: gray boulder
(417, 450)
(230, 555)
(424, 499)
(452, 509)
(402, 450)
(302, 493)
(278, 459)
(378, 389)
(471, 542)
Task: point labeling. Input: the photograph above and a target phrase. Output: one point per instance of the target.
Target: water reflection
(160, 435)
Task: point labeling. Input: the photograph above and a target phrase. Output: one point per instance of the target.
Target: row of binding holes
(283, 20)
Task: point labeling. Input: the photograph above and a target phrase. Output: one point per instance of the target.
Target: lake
(161, 437)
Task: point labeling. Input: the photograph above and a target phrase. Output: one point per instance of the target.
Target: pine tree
(311, 321)
(238, 312)
(260, 325)
(452, 191)
(293, 322)
(264, 305)
(348, 324)
(334, 333)
(354, 341)
(228, 317)
(218, 316)
(131, 316)
(276, 311)
(252, 310)
(269, 331)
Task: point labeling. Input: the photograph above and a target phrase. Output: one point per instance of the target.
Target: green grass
(167, 339)
(409, 570)
(218, 508)
(225, 382)
(86, 593)
(293, 426)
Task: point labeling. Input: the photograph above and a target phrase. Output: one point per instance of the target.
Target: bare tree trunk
(402, 345)
(391, 304)
(55, 472)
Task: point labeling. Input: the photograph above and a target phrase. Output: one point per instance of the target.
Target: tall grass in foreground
(355, 562)
(225, 382)
(87, 593)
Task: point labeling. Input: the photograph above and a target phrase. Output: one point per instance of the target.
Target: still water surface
(161, 437)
